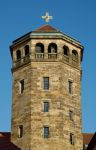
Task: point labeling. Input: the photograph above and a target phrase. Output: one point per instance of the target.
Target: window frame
(66, 50)
(72, 139)
(52, 48)
(39, 48)
(70, 87)
(22, 86)
(75, 55)
(46, 106)
(18, 55)
(20, 131)
(26, 49)
(71, 115)
(46, 132)
(46, 83)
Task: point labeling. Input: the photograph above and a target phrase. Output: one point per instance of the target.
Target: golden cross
(47, 17)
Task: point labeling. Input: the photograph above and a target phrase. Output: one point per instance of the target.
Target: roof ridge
(46, 28)
(43, 26)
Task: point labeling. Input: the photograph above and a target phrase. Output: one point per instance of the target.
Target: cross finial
(47, 17)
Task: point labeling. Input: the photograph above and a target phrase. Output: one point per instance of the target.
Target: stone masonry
(28, 107)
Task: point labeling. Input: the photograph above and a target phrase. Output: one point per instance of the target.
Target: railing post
(39, 55)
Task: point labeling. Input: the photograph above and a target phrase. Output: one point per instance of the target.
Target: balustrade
(26, 58)
(39, 55)
(52, 55)
(66, 58)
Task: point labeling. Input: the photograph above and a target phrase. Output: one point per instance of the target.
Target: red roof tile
(5, 143)
(87, 138)
(92, 144)
(46, 28)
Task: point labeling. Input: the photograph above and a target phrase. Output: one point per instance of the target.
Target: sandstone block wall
(28, 107)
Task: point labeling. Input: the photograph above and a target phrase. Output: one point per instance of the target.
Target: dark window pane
(21, 86)
(18, 54)
(46, 83)
(20, 131)
(46, 106)
(26, 50)
(71, 139)
(70, 83)
(71, 114)
(74, 55)
(66, 50)
(46, 132)
(39, 48)
(52, 48)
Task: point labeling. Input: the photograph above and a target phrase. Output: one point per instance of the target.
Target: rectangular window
(20, 131)
(70, 85)
(46, 83)
(21, 86)
(71, 114)
(46, 106)
(72, 139)
(46, 132)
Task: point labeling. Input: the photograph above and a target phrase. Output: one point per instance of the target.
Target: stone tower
(46, 91)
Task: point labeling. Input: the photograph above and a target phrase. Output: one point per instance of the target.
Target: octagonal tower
(46, 91)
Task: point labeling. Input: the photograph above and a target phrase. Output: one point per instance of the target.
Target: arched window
(66, 50)
(74, 55)
(52, 51)
(39, 48)
(26, 58)
(52, 48)
(18, 54)
(26, 50)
